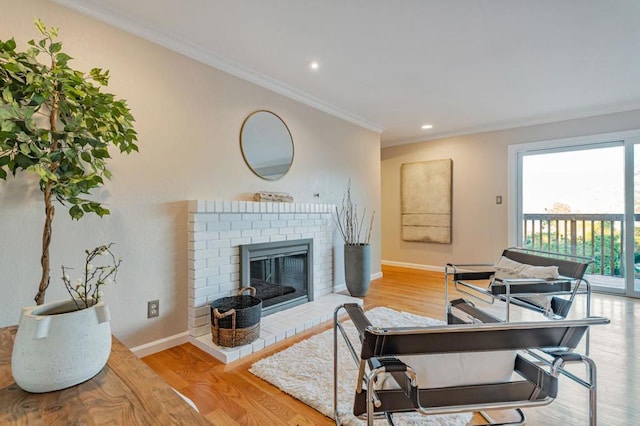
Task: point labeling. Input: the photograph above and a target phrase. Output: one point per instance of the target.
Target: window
(577, 196)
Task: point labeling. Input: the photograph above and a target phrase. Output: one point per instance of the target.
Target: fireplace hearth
(280, 271)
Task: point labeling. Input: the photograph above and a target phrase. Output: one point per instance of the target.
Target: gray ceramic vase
(357, 268)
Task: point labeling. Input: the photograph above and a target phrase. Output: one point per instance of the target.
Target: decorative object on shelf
(357, 250)
(266, 144)
(235, 320)
(58, 125)
(279, 197)
(61, 344)
(426, 201)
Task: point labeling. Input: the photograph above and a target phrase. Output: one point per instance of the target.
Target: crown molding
(193, 51)
(515, 124)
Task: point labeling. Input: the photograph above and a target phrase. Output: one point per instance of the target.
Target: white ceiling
(463, 66)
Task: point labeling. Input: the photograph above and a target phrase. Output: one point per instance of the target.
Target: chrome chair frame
(380, 347)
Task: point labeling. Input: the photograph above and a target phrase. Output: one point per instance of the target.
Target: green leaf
(5, 113)
(62, 58)
(76, 212)
(55, 47)
(3, 174)
(11, 67)
(96, 208)
(22, 161)
(98, 75)
(100, 153)
(10, 44)
(46, 175)
(7, 95)
(71, 154)
(8, 126)
(40, 26)
(37, 99)
(74, 90)
(85, 156)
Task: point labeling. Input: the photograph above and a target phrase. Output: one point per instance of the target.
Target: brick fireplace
(217, 229)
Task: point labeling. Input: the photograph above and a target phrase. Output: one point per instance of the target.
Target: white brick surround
(218, 228)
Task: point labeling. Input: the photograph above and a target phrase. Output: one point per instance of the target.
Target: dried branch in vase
(86, 292)
(351, 224)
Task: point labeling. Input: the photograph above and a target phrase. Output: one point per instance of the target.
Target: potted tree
(56, 123)
(356, 233)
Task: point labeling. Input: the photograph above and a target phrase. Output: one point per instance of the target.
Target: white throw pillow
(507, 268)
(459, 369)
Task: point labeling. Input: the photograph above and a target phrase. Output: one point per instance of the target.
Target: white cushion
(459, 369)
(507, 268)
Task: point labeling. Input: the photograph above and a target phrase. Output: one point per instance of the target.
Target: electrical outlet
(498, 199)
(153, 308)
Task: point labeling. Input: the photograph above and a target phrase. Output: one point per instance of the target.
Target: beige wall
(188, 119)
(480, 229)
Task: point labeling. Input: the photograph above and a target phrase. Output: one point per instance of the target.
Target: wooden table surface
(125, 392)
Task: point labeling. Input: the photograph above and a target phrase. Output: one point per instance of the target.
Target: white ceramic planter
(58, 346)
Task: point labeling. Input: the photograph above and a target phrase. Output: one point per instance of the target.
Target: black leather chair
(477, 281)
(380, 351)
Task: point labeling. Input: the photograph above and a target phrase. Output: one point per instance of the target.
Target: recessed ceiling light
(427, 126)
(314, 65)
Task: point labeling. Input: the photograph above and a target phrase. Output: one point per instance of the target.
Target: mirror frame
(242, 148)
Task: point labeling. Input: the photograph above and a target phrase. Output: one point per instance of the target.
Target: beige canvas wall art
(426, 201)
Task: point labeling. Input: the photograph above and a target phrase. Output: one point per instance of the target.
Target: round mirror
(266, 143)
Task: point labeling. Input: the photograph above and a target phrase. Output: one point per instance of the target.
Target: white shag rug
(305, 371)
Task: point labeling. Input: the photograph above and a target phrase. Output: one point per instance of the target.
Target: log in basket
(235, 320)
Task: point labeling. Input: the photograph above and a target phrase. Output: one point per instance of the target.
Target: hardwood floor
(230, 395)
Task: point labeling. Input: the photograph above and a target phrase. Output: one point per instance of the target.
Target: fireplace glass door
(281, 273)
(279, 279)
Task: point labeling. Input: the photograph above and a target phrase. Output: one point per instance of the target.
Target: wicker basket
(235, 320)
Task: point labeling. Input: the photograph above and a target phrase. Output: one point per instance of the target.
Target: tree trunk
(48, 204)
(46, 241)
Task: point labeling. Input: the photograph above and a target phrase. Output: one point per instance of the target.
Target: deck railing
(599, 236)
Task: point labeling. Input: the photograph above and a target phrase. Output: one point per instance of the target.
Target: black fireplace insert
(281, 272)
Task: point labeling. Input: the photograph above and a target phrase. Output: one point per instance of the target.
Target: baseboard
(343, 287)
(340, 287)
(413, 266)
(161, 344)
